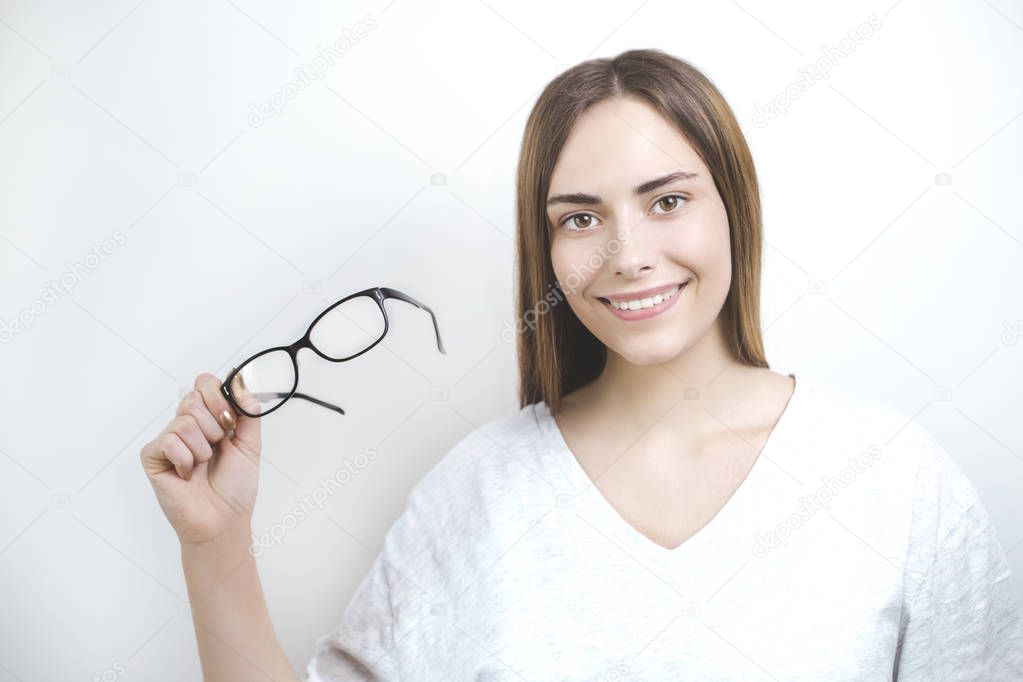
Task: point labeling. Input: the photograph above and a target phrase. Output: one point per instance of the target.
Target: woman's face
(617, 233)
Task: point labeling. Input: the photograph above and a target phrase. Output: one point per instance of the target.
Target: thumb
(247, 431)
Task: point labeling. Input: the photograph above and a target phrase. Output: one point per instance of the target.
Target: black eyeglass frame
(379, 295)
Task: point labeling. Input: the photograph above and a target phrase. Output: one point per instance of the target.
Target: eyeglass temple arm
(303, 396)
(394, 293)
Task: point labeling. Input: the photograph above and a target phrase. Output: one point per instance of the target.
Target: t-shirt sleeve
(390, 628)
(359, 647)
(372, 641)
(961, 619)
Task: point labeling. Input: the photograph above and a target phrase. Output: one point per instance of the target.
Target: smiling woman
(649, 510)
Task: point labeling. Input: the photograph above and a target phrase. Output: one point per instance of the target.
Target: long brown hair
(556, 352)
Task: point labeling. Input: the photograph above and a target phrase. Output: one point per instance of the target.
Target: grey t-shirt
(855, 549)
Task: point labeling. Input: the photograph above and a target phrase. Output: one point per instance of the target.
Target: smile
(645, 308)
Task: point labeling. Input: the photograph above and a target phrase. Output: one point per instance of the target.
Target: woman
(663, 505)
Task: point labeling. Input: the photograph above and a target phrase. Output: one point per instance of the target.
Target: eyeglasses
(345, 330)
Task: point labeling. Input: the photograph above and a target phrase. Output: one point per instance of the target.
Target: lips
(656, 309)
(645, 293)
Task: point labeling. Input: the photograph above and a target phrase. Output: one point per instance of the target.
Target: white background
(132, 119)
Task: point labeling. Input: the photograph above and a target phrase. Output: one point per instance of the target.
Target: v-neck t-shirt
(854, 549)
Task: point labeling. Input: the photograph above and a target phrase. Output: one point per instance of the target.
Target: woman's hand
(204, 466)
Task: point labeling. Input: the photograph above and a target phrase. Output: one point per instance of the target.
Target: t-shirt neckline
(629, 537)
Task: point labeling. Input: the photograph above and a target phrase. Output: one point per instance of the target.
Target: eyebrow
(648, 186)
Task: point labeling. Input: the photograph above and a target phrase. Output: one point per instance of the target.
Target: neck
(686, 397)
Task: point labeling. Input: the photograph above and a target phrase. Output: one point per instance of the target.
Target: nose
(629, 255)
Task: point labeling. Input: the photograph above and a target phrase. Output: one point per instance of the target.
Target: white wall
(131, 122)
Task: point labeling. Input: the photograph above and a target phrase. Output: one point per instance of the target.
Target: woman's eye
(669, 203)
(578, 222)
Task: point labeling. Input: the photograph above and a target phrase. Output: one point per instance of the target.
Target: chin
(646, 350)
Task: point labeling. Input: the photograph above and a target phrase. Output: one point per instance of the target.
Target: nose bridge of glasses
(298, 344)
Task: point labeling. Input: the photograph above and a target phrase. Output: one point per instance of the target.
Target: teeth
(641, 303)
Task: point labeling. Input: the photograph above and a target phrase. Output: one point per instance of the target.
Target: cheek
(568, 261)
(704, 246)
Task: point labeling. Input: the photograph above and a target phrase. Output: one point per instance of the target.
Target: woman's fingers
(153, 459)
(178, 454)
(209, 388)
(247, 435)
(193, 404)
(167, 451)
(181, 445)
(187, 429)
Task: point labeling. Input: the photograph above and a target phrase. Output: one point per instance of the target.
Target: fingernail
(227, 420)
